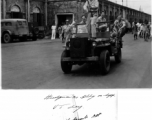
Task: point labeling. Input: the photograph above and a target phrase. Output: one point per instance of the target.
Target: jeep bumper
(94, 58)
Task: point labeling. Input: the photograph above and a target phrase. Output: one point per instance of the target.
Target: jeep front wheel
(65, 65)
(104, 62)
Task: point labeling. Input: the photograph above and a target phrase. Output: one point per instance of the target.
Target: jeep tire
(65, 65)
(104, 62)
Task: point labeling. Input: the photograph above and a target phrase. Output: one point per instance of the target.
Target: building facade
(59, 10)
(49, 12)
(32, 10)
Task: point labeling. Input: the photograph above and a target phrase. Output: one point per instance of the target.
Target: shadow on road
(93, 69)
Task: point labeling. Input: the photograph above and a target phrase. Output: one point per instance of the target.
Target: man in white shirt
(91, 7)
(53, 32)
(141, 31)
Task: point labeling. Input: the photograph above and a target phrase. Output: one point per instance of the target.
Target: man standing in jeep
(91, 7)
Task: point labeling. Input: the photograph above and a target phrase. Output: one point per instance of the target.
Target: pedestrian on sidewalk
(141, 31)
(53, 32)
(60, 32)
(135, 31)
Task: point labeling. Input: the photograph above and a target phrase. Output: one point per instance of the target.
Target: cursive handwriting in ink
(60, 106)
(96, 115)
(81, 118)
(89, 96)
(78, 118)
(75, 107)
(99, 95)
(109, 95)
(59, 97)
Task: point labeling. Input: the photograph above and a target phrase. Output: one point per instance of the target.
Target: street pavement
(36, 65)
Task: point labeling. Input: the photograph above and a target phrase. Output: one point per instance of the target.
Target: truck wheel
(104, 62)
(118, 56)
(66, 66)
(6, 38)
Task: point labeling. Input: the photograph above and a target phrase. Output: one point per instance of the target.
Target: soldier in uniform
(120, 27)
(91, 7)
(102, 26)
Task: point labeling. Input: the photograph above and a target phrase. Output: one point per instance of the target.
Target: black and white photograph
(76, 44)
(76, 60)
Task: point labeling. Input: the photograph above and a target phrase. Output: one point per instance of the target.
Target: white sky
(145, 4)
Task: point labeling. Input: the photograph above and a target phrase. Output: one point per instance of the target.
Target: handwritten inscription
(59, 106)
(59, 97)
(86, 116)
(75, 107)
(88, 97)
(61, 102)
(96, 115)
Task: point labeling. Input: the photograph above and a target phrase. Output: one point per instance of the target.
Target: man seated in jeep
(102, 26)
(119, 27)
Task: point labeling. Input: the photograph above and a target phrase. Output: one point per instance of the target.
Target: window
(24, 23)
(2, 24)
(8, 24)
(15, 8)
(19, 23)
(16, 12)
(38, 17)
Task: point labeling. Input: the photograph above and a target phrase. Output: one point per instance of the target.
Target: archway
(16, 12)
(36, 10)
(37, 17)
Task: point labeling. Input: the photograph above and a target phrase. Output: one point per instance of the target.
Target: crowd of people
(94, 22)
(141, 30)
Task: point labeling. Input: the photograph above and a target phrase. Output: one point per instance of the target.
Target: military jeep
(80, 50)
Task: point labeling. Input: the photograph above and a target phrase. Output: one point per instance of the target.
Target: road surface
(36, 65)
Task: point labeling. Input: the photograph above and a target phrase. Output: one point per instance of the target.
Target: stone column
(26, 10)
(119, 10)
(108, 12)
(4, 9)
(114, 10)
(102, 6)
(46, 14)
